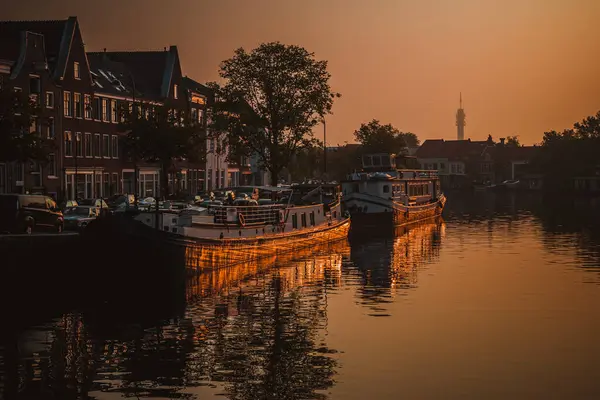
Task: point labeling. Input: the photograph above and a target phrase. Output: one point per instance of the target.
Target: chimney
(502, 141)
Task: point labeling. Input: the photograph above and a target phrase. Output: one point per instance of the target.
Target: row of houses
(79, 93)
(462, 163)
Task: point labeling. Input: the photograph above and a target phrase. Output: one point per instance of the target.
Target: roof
(198, 87)
(451, 149)
(515, 153)
(112, 77)
(57, 38)
(151, 70)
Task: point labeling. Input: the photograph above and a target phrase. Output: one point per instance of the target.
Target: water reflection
(267, 329)
(386, 266)
(255, 330)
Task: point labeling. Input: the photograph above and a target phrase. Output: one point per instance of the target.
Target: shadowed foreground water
(501, 300)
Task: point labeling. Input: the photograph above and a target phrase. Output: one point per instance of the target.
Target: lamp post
(324, 147)
(135, 165)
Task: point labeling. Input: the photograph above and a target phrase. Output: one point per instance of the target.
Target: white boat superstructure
(382, 194)
(248, 222)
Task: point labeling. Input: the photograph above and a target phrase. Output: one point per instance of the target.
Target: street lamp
(324, 147)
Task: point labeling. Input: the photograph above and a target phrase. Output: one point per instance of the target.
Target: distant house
(459, 162)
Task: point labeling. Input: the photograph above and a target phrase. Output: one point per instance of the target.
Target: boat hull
(369, 212)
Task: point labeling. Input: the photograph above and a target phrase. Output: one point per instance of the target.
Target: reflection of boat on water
(251, 329)
(386, 263)
(207, 276)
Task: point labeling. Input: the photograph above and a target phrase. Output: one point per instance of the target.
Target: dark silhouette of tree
(18, 115)
(570, 153)
(513, 141)
(378, 138)
(157, 134)
(272, 99)
(410, 139)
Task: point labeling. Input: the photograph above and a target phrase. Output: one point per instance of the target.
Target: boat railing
(249, 215)
(401, 174)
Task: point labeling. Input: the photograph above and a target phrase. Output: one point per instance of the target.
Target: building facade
(82, 93)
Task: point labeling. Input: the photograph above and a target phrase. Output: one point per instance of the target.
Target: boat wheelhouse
(383, 194)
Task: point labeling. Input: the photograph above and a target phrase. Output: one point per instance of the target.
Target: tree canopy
(378, 138)
(157, 134)
(513, 141)
(572, 152)
(270, 102)
(17, 118)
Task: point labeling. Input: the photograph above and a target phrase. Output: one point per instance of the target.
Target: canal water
(499, 300)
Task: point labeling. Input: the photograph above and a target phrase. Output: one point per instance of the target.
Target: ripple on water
(491, 300)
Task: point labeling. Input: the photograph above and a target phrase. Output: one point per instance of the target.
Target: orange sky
(523, 66)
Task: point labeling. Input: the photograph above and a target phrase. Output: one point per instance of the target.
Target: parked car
(68, 204)
(100, 204)
(79, 217)
(24, 213)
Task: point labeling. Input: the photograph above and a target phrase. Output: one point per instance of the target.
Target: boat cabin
(382, 178)
(379, 162)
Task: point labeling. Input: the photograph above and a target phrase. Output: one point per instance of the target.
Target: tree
(17, 140)
(410, 139)
(272, 99)
(513, 141)
(157, 134)
(377, 138)
(570, 153)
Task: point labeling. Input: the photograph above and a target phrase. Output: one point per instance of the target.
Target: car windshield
(83, 211)
(87, 202)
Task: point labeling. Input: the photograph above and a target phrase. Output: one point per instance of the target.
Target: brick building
(82, 92)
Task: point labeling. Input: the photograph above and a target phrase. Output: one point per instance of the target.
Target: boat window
(386, 188)
(385, 161)
(312, 218)
(367, 162)
(355, 188)
(376, 161)
(303, 220)
(295, 221)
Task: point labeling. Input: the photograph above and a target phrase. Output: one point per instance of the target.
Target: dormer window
(76, 70)
(175, 92)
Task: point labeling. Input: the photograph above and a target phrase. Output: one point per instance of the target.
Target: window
(98, 185)
(175, 92)
(87, 144)
(97, 109)
(106, 184)
(115, 183)
(79, 144)
(106, 146)
(35, 127)
(76, 70)
(96, 146)
(312, 218)
(67, 105)
(303, 219)
(194, 114)
(113, 110)
(295, 221)
(115, 146)
(105, 110)
(78, 105)
(200, 116)
(386, 188)
(50, 99)
(51, 167)
(35, 85)
(87, 106)
(49, 127)
(68, 144)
